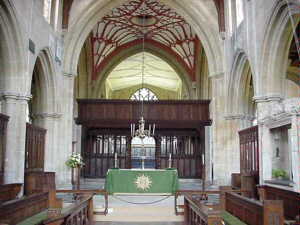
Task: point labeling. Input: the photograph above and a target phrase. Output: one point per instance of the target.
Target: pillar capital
(47, 115)
(268, 98)
(10, 95)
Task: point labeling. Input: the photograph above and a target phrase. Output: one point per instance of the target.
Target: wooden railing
(9, 192)
(35, 148)
(291, 199)
(14, 211)
(3, 130)
(196, 213)
(252, 212)
(79, 214)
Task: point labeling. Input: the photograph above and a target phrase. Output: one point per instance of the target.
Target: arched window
(239, 12)
(144, 94)
(47, 10)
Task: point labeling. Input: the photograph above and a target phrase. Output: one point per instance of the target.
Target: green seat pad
(231, 220)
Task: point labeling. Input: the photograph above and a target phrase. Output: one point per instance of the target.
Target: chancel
(149, 112)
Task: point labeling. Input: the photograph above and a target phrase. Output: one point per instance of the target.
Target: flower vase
(76, 178)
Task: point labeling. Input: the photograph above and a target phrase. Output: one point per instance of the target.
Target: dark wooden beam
(221, 14)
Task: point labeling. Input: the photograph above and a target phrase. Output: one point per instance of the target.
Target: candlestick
(116, 160)
(202, 159)
(170, 160)
(153, 129)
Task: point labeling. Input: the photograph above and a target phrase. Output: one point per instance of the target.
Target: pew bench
(9, 192)
(253, 212)
(229, 219)
(82, 208)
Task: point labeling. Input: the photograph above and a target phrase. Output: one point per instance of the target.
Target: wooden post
(273, 212)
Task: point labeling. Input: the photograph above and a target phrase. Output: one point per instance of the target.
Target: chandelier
(140, 132)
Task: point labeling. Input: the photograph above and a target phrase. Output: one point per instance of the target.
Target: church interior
(149, 112)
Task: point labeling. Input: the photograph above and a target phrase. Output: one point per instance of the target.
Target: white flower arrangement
(75, 161)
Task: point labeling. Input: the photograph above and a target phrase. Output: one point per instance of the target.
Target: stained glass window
(144, 94)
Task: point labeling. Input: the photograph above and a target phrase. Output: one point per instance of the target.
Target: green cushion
(36, 219)
(231, 220)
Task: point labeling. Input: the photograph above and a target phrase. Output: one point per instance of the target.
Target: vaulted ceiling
(148, 19)
(156, 72)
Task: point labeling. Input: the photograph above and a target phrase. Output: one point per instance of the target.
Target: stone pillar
(15, 106)
(295, 148)
(221, 160)
(65, 130)
(49, 121)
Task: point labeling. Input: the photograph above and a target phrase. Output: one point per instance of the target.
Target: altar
(138, 181)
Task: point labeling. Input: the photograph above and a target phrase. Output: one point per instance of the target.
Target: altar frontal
(156, 182)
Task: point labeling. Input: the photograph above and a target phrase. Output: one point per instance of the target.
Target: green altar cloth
(162, 182)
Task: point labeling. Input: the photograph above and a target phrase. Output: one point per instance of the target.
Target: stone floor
(121, 212)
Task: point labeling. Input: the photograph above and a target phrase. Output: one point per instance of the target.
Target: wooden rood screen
(35, 148)
(100, 152)
(249, 151)
(179, 131)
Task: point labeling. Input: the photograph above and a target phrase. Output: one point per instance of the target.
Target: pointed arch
(241, 88)
(276, 44)
(44, 98)
(135, 49)
(12, 54)
(80, 27)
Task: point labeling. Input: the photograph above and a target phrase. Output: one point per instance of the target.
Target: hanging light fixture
(140, 132)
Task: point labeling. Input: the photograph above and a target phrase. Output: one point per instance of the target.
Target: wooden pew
(196, 212)
(252, 212)
(291, 200)
(14, 211)
(81, 213)
(9, 192)
(39, 181)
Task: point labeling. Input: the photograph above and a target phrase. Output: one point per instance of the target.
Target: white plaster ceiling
(156, 73)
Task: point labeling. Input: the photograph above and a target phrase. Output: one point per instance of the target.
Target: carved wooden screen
(99, 154)
(35, 148)
(249, 151)
(186, 155)
(3, 130)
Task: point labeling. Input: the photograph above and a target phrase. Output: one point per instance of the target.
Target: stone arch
(241, 89)
(44, 99)
(135, 49)
(276, 45)
(80, 27)
(12, 54)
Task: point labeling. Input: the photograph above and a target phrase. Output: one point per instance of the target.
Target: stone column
(221, 159)
(65, 130)
(295, 148)
(49, 121)
(15, 106)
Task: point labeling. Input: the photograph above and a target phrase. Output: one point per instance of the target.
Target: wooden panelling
(39, 181)
(99, 153)
(186, 154)
(291, 199)
(9, 191)
(249, 151)
(3, 129)
(166, 114)
(14, 211)
(35, 148)
(252, 212)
